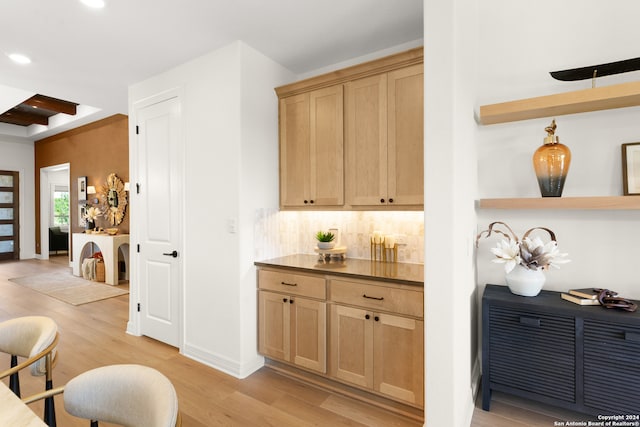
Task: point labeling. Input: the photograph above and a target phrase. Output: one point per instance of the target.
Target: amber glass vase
(551, 162)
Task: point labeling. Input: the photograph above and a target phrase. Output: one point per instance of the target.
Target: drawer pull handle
(375, 298)
(529, 321)
(632, 336)
(288, 284)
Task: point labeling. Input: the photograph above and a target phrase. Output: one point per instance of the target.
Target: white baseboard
(232, 367)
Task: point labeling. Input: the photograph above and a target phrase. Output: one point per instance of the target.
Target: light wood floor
(94, 335)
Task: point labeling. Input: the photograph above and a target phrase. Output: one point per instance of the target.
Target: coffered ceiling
(37, 110)
(91, 56)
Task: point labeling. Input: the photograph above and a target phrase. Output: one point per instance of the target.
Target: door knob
(173, 254)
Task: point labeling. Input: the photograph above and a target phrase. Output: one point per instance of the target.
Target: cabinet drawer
(612, 366)
(533, 351)
(292, 284)
(383, 298)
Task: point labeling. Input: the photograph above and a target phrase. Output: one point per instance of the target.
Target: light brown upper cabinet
(311, 149)
(353, 138)
(384, 142)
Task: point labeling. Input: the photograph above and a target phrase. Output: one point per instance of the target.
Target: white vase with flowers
(525, 260)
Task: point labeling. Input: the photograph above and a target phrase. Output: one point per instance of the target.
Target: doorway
(9, 215)
(55, 210)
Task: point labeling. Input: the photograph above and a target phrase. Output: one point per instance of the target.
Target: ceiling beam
(22, 118)
(52, 104)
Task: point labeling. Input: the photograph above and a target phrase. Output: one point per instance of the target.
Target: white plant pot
(326, 245)
(525, 282)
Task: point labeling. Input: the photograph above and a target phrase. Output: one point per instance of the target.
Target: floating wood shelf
(585, 203)
(580, 101)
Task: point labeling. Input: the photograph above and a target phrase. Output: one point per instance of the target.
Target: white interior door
(160, 200)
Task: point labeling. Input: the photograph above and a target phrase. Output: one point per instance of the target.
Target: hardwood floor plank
(315, 414)
(365, 414)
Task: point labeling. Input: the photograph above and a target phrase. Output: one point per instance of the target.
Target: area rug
(68, 288)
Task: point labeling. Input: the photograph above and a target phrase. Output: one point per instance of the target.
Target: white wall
(519, 44)
(17, 155)
(230, 124)
(451, 370)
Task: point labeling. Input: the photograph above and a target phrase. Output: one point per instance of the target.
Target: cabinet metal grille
(533, 352)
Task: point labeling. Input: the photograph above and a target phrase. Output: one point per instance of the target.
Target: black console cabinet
(584, 358)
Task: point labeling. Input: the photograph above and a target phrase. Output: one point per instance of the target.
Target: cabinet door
(406, 136)
(351, 345)
(532, 351)
(611, 367)
(294, 150)
(398, 357)
(274, 325)
(326, 180)
(366, 164)
(308, 334)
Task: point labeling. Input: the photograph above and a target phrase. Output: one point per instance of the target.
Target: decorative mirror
(113, 199)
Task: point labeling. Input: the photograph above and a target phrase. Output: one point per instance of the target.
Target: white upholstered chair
(127, 395)
(35, 339)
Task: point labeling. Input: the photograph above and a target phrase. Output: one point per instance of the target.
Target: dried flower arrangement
(531, 253)
(92, 213)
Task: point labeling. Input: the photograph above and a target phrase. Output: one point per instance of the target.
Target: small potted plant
(326, 239)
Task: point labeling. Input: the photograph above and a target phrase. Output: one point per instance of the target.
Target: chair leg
(49, 407)
(14, 379)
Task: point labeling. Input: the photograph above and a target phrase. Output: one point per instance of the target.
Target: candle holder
(391, 253)
(383, 249)
(377, 248)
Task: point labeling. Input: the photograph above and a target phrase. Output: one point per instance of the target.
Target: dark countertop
(403, 273)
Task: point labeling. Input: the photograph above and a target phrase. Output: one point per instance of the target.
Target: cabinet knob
(306, 201)
(366, 316)
(381, 200)
(311, 201)
(290, 301)
(390, 200)
(284, 300)
(376, 318)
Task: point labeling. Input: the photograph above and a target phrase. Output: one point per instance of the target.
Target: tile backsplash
(280, 233)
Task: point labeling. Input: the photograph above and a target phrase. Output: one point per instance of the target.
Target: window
(60, 209)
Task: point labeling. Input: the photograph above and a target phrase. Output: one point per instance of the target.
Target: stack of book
(583, 296)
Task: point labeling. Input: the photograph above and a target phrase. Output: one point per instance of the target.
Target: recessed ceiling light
(94, 3)
(19, 58)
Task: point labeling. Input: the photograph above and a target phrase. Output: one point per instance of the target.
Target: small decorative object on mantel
(524, 260)
(551, 162)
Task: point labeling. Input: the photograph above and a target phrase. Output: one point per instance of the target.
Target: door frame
(45, 204)
(133, 325)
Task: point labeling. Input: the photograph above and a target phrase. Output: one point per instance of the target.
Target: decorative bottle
(551, 162)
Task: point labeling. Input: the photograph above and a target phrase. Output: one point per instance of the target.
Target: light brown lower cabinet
(379, 351)
(361, 333)
(293, 329)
